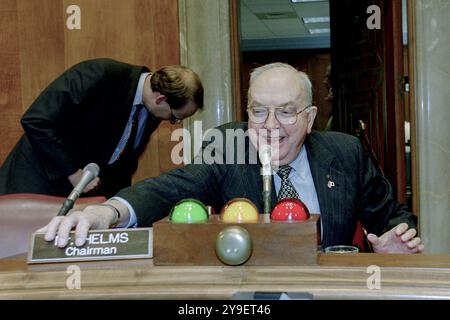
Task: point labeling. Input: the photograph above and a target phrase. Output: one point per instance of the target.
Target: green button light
(189, 211)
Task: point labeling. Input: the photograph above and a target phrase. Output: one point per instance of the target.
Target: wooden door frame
(395, 135)
(412, 107)
(236, 59)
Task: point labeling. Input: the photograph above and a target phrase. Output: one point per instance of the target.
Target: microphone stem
(67, 205)
(266, 194)
(267, 202)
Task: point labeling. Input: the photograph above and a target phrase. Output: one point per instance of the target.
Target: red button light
(290, 209)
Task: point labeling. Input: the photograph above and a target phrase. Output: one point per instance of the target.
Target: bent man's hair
(179, 84)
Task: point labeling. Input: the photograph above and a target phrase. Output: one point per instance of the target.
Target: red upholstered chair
(23, 214)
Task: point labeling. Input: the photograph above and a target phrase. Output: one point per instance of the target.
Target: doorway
(370, 93)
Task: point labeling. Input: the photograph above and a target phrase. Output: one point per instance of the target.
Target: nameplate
(112, 244)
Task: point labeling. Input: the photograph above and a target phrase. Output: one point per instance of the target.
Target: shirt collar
(140, 89)
(301, 157)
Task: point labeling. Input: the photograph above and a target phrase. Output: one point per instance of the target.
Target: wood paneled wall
(36, 46)
(10, 78)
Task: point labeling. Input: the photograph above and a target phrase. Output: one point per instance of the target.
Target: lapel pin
(330, 183)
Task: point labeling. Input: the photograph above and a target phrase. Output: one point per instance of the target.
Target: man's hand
(92, 217)
(397, 240)
(76, 177)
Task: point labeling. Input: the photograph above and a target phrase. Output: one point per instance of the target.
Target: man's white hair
(307, 86)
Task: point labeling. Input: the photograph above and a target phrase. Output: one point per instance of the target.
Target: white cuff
(132, 222)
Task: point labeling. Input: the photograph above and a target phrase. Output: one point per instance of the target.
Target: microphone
(265, 156)
(90, 172)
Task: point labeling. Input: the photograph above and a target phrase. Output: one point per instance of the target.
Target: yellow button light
(239, 210)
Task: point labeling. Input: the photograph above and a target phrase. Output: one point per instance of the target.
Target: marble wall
(432, 53)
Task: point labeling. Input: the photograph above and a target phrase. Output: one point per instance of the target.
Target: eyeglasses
(173, 119)
(284, 115)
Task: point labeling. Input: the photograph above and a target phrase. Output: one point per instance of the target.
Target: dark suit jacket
(77, 119)
(360, 193)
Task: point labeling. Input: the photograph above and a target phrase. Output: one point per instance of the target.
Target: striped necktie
(133, 130)
(127, 140)
(287, 189)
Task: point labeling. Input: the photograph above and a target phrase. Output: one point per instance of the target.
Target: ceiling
(279, 24)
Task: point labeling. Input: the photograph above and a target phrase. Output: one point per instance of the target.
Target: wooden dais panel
(274, 243)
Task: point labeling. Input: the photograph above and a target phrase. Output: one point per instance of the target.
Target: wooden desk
(336, 277)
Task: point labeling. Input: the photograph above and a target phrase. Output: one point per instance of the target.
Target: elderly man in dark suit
(329, 172)
(101, 111)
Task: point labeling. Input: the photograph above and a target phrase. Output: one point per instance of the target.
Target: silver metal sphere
(233, 245)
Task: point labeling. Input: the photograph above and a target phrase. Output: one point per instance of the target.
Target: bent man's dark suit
(359, 191)
(77, 119)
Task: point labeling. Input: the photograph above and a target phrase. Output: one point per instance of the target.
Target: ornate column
(205, 47)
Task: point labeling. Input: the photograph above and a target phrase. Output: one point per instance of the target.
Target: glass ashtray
(341, 249)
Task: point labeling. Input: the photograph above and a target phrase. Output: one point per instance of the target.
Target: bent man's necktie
(128, 138)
